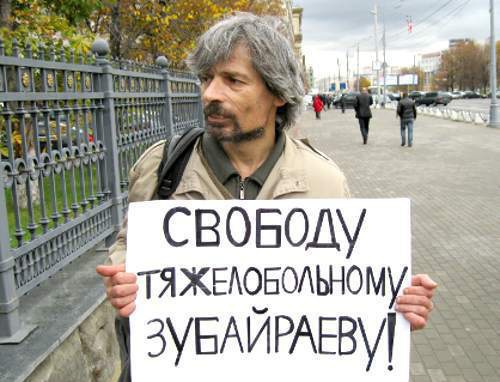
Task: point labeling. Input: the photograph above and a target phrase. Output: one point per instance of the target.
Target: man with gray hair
(252, 93)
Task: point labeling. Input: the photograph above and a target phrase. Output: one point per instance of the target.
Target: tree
(363, 83)
(114, 30)
(5, 10)
(465, 67)
(484, 71)
(470, 62)
(144, 29)
(31, 22)
(445, 78)
(137, 29)
(75, 12)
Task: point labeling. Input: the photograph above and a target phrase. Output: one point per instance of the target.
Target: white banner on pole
(264, 290)
(408, 79)
(390, 80)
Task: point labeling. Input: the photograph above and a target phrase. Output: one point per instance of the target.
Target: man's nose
(213, 91)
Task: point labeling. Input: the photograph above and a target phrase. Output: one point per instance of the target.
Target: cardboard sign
(288, 290)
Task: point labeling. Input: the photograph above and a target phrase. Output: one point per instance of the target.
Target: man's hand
(416, 301)
(121, 287)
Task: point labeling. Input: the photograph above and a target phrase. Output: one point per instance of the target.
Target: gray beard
(236, 135)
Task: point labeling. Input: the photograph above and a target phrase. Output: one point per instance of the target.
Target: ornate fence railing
(70, 129)
(454, 114)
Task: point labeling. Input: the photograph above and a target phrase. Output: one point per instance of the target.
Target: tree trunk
(5, 9)
(114, 31)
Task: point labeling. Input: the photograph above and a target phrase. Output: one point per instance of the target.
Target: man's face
(238, 106)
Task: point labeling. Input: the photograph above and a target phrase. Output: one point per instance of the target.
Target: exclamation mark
(391, 325)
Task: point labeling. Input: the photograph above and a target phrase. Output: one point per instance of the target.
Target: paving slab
(452, 176)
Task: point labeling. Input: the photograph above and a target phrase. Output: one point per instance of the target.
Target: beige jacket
(300, 173)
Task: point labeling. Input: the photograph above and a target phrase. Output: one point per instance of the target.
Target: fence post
(200, 105)
(112, 165)
(167, 117)
(12, 330)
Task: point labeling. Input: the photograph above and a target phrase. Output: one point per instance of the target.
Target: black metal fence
(70, 129)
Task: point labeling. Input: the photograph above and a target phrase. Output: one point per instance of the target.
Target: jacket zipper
(242, 189)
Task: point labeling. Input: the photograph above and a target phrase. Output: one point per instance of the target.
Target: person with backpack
(252, 94)
(407, 111)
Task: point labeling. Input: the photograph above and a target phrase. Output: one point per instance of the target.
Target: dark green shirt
(227, 175)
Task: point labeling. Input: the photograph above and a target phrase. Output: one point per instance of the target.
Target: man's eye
(234, 80)
(204, 79)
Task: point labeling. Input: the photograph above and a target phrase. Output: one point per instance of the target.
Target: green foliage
(74, 11)
(57, 190)
(143, 29)
(33, 23)
(136, 29)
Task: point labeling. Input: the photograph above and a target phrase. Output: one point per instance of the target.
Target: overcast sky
(331, 27)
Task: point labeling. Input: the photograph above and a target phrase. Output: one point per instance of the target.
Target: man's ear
(278, 102)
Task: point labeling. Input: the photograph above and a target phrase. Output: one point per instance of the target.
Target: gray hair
(270, 51)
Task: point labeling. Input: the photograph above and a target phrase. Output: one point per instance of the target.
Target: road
(452, 176)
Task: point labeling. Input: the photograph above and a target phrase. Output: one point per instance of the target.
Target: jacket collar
(287, 177)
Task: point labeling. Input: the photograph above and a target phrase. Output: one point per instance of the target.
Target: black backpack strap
(176, 154)
(122, 330)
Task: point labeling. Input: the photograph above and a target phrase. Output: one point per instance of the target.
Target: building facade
(293, 19)
(297, 34)
(430, 63)
(288, 19)
(457, 41)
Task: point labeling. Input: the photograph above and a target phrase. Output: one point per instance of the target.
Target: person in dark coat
(408, 113)
(324, 100)
(363, 112)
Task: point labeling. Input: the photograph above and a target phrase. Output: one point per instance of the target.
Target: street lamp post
(357, 87)
(377, 68)
(494, 109)
(338, 65)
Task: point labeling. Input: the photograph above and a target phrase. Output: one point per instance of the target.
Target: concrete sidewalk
(452, 175)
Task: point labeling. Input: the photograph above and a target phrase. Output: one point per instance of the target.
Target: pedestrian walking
(363, 112)
(407, 111)
(325, 101)
(318, 106)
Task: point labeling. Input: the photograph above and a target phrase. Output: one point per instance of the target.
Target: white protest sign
(288, 290)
